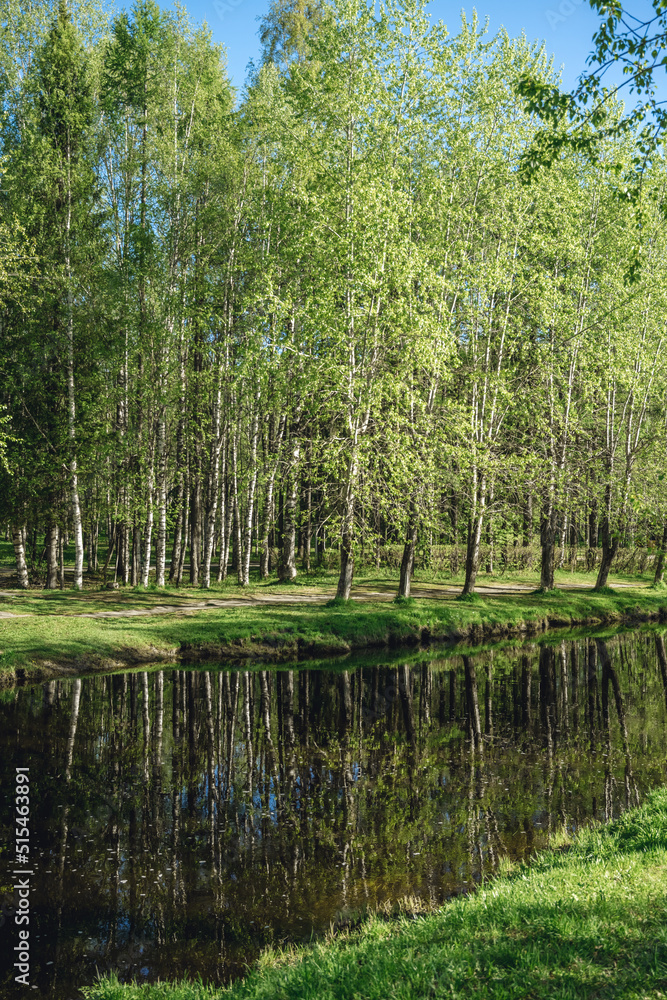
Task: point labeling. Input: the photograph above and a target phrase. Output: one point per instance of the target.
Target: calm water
(182, 819)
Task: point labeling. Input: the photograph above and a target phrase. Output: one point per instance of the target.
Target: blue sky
(565, 25)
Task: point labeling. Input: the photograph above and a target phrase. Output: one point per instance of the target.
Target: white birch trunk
(347, 533)
(212, 507)
(161, 546)
(71, 409)
(244, 563)
(148, 538)
(224, 518)
(18, 540)
(236, 506)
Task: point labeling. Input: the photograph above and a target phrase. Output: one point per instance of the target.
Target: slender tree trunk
(148, 537)
(161, 546)
(266, 526)
(563, 536)
(178, 536)
(320, 537)
(74, 480)
(222, 515)
(269, 505)
(213, 496)
(287, 567)
(181, 557)
(307, 533)
(472, 553)
(52, 556)
(236, 507)
(226, 521)
(475, 525)
(210, 522)
(548, 542)
(135, 577)
(237, 537)
(609, 544)
(195, 526)
(71, 400)
(408, 560)
(91, 546)
(96, 542)
(346, 575)
(244, 563)
(660, 558)
(61, 557)
(18, 541)
(180, 532)
(112, 541)
(124, 547)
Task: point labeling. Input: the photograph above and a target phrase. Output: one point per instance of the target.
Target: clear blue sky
(566, 26)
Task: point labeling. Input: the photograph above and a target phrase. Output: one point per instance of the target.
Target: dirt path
(188, 606)
(435, 592)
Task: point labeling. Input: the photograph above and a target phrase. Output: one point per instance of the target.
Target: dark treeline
(322, 323)
(210, 812)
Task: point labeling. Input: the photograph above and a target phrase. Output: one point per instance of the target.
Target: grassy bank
(588, 921)
(51, 637)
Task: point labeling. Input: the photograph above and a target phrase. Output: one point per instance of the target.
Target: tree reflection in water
(183, 819)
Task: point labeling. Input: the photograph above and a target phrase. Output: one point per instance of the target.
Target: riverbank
(58, 634)
(586, 920)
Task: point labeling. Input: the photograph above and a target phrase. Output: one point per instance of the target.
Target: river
(181, 820)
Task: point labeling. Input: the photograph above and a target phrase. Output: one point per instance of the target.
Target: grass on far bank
(316, 583)
(588, 922)
(291, 631)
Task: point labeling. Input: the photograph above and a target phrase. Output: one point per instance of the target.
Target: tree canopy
(327, 323)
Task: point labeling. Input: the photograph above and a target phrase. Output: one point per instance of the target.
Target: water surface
(183, 819)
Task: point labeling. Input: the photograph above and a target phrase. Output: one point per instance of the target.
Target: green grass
(585, 922)
(48, 630)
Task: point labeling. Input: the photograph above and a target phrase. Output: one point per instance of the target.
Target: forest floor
(586, 919)
(52, 633)
(315, 586)
(115, 604)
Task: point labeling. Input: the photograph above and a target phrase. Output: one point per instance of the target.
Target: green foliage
(329, 320)
(340, 603)
(287, 29)
(583, 120)
(469, 599)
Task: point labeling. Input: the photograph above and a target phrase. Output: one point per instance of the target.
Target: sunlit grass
(51, 630)
(317, 584)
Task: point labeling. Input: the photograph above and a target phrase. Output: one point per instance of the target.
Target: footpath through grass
(588, 922)
(50, 637)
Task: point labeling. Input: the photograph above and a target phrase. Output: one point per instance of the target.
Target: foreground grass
(33, 641)
(590, 922)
